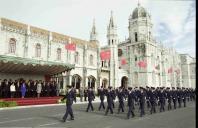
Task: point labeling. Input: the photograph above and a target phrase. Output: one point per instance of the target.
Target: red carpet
(33, 101)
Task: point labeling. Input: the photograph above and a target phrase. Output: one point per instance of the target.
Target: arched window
(59, 54)
(91, 59)
(136, 37)
(12, 45)
(38, 50)
(76, 57)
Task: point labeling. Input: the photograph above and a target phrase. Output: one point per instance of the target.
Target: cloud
(174, 21)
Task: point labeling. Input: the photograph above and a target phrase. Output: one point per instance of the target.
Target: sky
(173, 20)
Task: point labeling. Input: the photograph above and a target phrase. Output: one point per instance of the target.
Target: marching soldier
(69, 96)
(179, 96)
(169, 98)
(147, 97)
(131, 100)
(174, 96)
(91, 97)
(101, 93)
(120, 95)
(113, 96)
(162, 99)
(184, 94)
(152, 98)
(141, 98)
(109, 101)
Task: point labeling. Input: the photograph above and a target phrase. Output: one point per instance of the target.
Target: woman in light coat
(39, 88)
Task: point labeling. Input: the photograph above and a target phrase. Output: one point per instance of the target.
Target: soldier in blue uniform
(147, 97)
(174, 97)
(162, 99)
(169, 98)
(109, 101)
(179, 96)
(184, 94)
(121, 96)
(141, 97)
(101, 93)
(91, 97)
(113, 93)
(69, 101)
(131, 100)
(152, 98)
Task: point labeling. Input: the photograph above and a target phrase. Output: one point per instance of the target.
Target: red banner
(142, 64)
(105, 55)
(71, 47)
(123, 61)
(170, 70)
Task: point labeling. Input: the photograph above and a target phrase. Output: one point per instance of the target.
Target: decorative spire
(138, 3)
(94, 27)
(111, 23)
(93, 34)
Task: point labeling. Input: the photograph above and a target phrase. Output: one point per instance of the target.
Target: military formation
(150, 97)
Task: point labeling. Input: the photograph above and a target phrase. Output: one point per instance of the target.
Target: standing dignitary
(91, 97)
(69, 101)
(38, 89)
(23, 89)
(131, 100)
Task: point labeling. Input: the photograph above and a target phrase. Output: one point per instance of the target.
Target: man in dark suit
(91, 97)
(69, 101)
(109, 101)
(131, 100)
(101, 93)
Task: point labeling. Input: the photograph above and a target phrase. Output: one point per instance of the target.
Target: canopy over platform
(18, 65)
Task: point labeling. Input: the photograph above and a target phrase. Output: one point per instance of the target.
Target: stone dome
(139, 12)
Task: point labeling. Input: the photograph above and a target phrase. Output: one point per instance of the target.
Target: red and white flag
(170, 70)
(123, 61)
(105, 55)
(70, 47)
(142, 64)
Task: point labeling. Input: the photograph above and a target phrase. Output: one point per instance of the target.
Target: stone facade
(164, 66)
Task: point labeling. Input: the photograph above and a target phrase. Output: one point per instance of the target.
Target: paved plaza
(51, 117)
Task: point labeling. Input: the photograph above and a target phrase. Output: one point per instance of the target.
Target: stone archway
(76, 81)
(91, 81)
(124, 82)
(104, 83)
